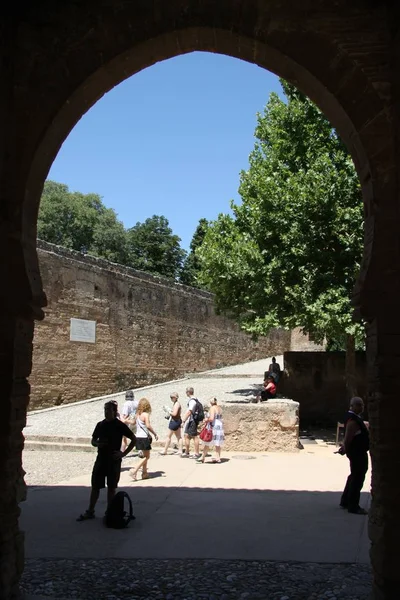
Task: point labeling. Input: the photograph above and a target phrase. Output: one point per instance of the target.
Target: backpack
(116, 516)
(198, 413)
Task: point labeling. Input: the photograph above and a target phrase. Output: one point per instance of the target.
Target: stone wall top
(105, 265)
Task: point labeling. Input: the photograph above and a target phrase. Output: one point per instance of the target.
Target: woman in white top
(174, 423)
(143, 437)
(214, 419)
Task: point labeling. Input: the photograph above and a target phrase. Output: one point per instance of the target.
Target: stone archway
(59, 59)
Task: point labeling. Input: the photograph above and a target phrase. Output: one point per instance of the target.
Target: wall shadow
(178, 526)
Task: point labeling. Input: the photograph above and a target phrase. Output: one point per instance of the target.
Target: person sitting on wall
(269, 390)
(274, 370)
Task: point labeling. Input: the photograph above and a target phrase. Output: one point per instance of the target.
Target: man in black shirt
(107, 437)
(355, 446)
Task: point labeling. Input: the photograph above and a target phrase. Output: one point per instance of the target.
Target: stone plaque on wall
(82, 331)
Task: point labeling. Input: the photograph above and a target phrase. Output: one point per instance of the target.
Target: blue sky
(171, 140)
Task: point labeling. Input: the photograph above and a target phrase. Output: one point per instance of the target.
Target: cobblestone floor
(195, 579)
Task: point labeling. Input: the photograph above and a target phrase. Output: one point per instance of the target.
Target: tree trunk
(350, 368)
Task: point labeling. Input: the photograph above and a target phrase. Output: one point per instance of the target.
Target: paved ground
(79, 420)
(248, 522)
(262, 526)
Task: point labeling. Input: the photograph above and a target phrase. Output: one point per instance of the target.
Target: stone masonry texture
(148, 330)
(58, 58)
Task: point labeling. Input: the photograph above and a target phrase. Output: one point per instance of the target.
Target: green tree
(67, 218)
(191, 267)
(75, 220)
(154, 248)
(290, 254)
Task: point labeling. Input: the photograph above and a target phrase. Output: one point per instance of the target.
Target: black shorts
(191, 429)
(143, 443)
(103, 469)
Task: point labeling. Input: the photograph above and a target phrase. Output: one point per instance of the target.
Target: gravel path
(50, 467)
(195, 579)
(79, 420)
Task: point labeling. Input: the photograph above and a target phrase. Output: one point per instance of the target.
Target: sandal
(133, 474)
(216, 462)
(145, 476)
(200, 461)
(88, 514)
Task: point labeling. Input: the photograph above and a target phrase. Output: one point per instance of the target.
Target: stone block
(271, 426)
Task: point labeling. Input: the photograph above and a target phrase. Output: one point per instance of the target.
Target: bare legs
(141, 465)
(217, 459)
(195, 441)
(94, 496)
(169, 438)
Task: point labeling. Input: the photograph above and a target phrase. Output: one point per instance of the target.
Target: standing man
(190, 423)
(107, 437)
(355, 446)
(274, 370)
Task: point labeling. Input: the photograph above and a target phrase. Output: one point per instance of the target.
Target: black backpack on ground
(198, 413)
(116, 516)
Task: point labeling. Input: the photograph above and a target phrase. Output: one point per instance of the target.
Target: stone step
(69, 444)
(206, 375)
(68, 447)
(59, 439)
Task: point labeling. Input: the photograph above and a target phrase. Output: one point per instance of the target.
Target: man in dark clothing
(355, 446)
(107, 437)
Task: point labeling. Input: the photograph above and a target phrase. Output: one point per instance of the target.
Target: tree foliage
(290, 253)
(154, 248)
(82, 222)
(191, 267)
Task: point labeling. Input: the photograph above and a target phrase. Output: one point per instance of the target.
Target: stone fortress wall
(148, 330)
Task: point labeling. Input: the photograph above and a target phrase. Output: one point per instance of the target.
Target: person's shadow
(152, 474)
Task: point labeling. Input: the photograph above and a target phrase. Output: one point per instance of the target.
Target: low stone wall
(317, 381)
(271, 426)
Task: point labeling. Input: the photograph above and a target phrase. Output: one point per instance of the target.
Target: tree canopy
(82, 222)
(290, 253)
(154, 248)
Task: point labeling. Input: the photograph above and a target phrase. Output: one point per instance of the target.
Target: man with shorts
(128, 413)
(107, 437)
(189, 425)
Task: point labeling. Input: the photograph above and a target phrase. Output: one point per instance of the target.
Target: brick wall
(148, 330)
(317, 381)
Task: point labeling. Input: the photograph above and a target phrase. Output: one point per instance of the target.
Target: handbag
(206, 434)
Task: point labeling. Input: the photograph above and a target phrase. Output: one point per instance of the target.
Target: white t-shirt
(191, 406)
(129, 408)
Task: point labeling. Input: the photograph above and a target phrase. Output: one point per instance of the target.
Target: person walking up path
(190, 424)
(174, 423)
(355, 446)
(215, 420)
(128, 413)
(107, 437)
(143, 437)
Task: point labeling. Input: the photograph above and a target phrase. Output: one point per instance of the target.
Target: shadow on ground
(246, 524)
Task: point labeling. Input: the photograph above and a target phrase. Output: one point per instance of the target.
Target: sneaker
(88, 514)
(358, 511)
(184, 455)
(196, 456)
(140, 454)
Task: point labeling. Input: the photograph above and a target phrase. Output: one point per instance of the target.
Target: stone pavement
(257, 526)
(269, 512)
(275, 507)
